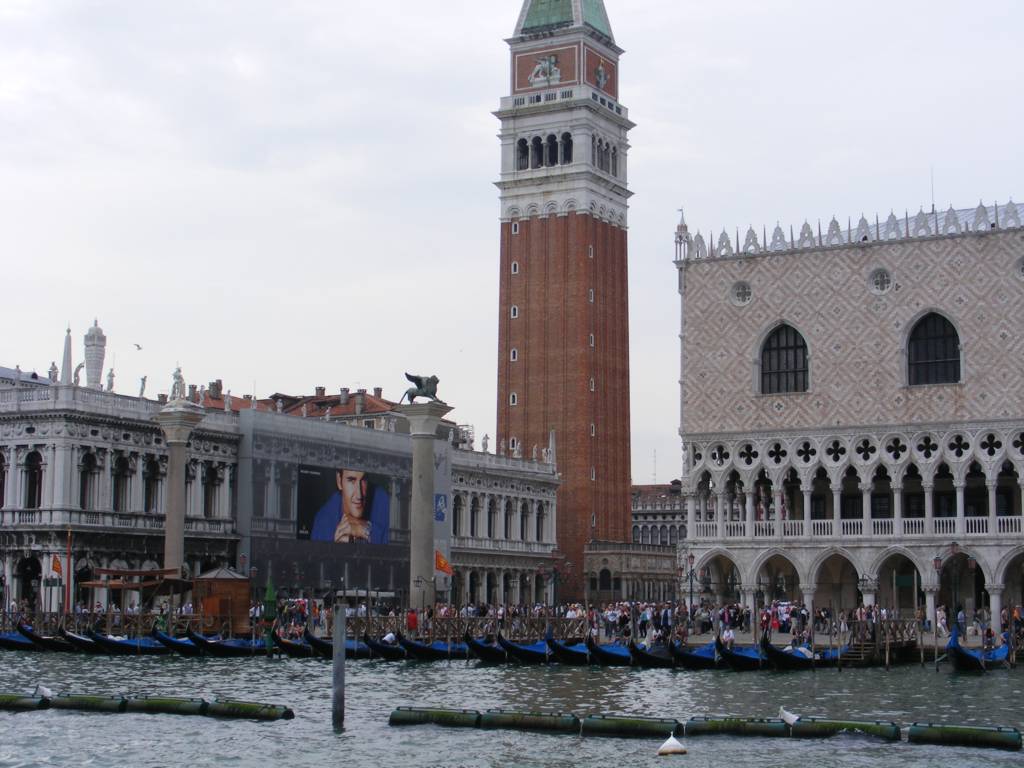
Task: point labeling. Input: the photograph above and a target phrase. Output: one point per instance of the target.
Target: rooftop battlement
(984, 218)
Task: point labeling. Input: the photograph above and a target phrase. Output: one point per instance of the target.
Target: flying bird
(138, 347)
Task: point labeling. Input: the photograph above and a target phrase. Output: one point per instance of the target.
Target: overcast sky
(292, 194)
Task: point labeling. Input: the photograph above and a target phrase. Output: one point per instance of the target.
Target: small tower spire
(66, 369)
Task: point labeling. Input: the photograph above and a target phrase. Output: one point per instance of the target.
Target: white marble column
(49, 477)
(691, 515)
(273, 491)
(138, 485)
(837, 510)
(808, 591)
(61, 476)
(720, 505)
(807, 509)
(929, 507)
(748, 531)
(777, 501)
(104, 498)
(865, 509)
(995, 596)
(929, 605)
(12, 490)
(960, 524)
(897, 510)
(992, 522)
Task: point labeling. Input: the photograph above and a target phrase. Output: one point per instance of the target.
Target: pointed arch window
(933, 351)
(784, 362)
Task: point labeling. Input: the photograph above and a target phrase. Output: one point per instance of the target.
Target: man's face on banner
(352, 485)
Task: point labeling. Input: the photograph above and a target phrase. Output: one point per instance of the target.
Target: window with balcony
(122, 483)
(33, 480)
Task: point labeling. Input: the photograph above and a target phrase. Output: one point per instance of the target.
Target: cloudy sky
(292, 194)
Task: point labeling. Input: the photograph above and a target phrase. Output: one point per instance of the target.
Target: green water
(905, 694)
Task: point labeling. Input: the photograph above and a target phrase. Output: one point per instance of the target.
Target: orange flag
(56, 566)
(441, 563)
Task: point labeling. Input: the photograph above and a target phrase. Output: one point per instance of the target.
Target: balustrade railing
(735, 530)
(882, 527)
(821, 528)
(852, 527)
(793, 528)
(1010, 524)
(764, 529)
(944, 526)
(977, 525)
(913, 526)
(706, 529)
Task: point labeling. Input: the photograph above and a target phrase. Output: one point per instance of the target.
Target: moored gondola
(439, 650)
(609, 655)
(702, 657)
(654, 656)
(971, 660)
(577, 655)
(129, 646)
(46, 642)
(740, 658)
(227, 649)
(485, 651)
(292, 648)
(15, 641)
(180, 645)
(534, 653)
(385, 651)
(324, 646)
(81, 642)
(788, 659)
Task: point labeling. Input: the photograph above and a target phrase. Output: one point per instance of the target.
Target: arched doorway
(777, 580)
(718, 582)
(899, 586)
(962, 585)
(27, 574)
(837, 580)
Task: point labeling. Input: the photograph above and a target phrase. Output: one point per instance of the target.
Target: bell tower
(563, 348)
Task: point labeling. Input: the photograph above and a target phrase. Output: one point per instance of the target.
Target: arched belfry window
(522, 155)
(784, 362)
(933, 351)
(566, 149)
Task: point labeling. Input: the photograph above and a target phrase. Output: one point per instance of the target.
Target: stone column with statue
(177, 420)
(424, 419)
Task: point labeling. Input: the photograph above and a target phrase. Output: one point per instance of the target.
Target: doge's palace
(852, 410)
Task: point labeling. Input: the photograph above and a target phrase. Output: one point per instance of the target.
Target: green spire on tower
(548, 15)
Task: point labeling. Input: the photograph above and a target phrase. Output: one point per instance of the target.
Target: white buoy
(672, 746)
(788, 717)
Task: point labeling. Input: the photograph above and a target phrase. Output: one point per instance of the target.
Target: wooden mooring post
(338, 670)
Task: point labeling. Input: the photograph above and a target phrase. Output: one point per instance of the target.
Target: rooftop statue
(178, 389)
(423, 386)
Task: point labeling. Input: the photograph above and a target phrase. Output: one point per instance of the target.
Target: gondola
(385, 651)
(487, 652)
(609, 655)
(81, 642)
(970, 660)
(702, 657)
(740, 658)
(125, 646)
(535, 653)
(46, 642)
(789, 658)
(439, 650)
(227, 649)
(325, 647)
(14, 641)
(293, 648)
(655, 656)
(180, 645)
(577, 654)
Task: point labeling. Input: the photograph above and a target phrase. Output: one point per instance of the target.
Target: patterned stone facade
(852, 489)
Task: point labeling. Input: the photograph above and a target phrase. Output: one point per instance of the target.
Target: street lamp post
(689, 574)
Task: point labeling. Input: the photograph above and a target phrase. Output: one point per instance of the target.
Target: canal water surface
(906, 694)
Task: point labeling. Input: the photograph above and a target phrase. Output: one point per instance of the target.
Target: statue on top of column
(178, 389)
(423, 386)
